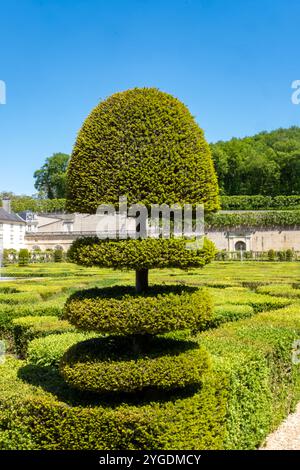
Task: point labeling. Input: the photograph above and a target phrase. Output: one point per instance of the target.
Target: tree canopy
(267, 163)
(50, 180)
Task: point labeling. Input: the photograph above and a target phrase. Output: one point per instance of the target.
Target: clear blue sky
(231, 61)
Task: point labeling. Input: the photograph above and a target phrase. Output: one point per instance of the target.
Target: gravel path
(287, 436)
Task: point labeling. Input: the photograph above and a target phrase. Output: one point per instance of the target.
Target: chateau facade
(58, 231)
(12, 228)
(55, 231)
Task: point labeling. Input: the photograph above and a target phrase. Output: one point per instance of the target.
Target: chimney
(6, 205)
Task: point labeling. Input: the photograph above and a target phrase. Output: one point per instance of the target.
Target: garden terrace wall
(255, 238)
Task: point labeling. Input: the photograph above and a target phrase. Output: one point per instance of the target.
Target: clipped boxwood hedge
(118, 364)
(259, 202)
(259, 302)
(250, 389)
(19, 298)
(230, 312)
(48, 351)
(119, 309)
(140, 254)
(283, 290)
(271, 219)
(32, 418)
(27, 328)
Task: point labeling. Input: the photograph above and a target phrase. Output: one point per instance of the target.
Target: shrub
(141, 158)
(19, 298)
(26, 408)
(222, 255)
(251, 387)
(48, 351)
(289, 255)
(47, 308)
(253, 219)
(228, 312)
(280, 290)
(264, 384)
(7, 289)
(117, 364)
(58, 256)
(271, 255)
(27, 328)
(259, 302)
(9, 256)
(119, 310)
(281, 255)
(259, 202)
(45, 292)
(23, 257)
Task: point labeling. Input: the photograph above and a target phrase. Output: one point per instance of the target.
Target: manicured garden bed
(246, 390)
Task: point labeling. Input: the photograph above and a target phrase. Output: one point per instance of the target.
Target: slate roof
(10, 218)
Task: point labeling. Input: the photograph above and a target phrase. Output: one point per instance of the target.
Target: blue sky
(231, 61)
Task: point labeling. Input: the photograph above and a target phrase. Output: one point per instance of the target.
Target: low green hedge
(283, 290)
(19, 298)
(46, 292)
(252, 386)
(259, 202)
(255, 202)
(130, 364)
(48, 308)
(32, 418)
(229, 312)
(8, 289)
(8, 313)
(140, 254)
(119, 309)
(27, 328)
(48, 350)
(259, 348)
(259, 302)
(253, 219)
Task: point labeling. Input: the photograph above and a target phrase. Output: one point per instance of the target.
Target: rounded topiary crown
(143, 144)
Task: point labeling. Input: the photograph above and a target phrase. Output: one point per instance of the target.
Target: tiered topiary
(145, 145)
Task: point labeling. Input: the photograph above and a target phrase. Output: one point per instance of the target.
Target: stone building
(12, 228)
(60, 230)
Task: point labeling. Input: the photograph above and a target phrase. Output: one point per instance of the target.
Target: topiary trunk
(141, 280)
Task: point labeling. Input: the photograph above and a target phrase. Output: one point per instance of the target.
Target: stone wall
(256, 239)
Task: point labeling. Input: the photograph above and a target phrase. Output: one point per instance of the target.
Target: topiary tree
(58, 255)
(23, 257)
(289, 255)
(271, 255)
(145, 145)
